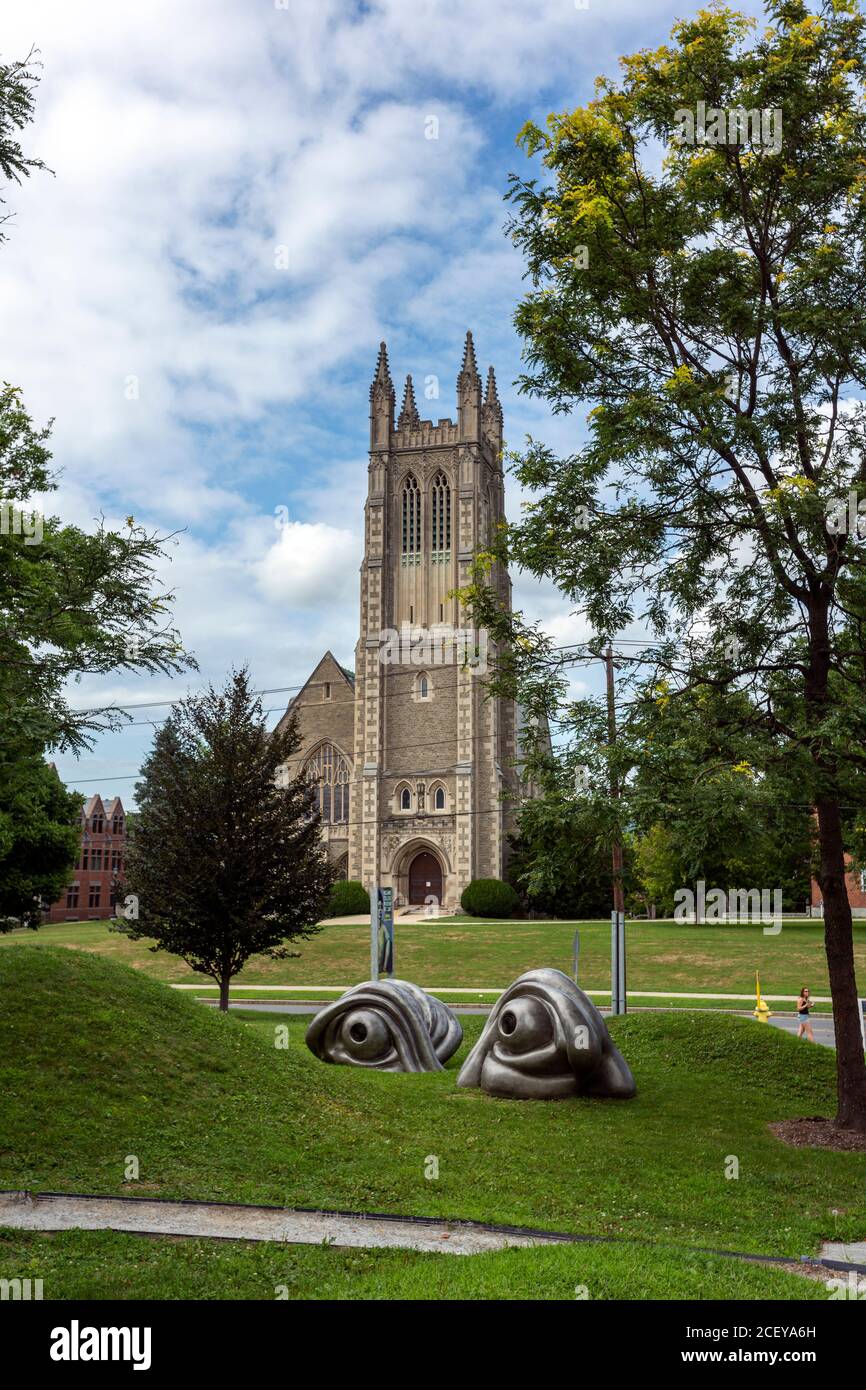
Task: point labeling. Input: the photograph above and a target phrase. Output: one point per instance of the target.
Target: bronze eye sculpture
(545, 1040)
(390, 1025)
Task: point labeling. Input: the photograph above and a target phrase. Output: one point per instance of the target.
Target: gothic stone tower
(433, 752)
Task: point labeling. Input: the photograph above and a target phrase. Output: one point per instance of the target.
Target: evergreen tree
(226, 859)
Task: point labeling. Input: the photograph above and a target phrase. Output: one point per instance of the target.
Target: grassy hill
(98, 1062)
(110, 1265)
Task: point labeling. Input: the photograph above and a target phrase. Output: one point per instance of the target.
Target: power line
(313, 685)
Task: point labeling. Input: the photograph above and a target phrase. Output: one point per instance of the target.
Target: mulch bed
(817, 1133)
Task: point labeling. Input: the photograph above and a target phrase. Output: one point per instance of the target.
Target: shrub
(489, 897)
(348, 897)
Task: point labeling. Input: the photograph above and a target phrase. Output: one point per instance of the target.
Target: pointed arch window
(405, 800)
(411, 519)
(439, 799)
(441, 513)
(329, 773)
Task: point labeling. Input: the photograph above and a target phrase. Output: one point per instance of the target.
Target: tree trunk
(839, 945)
(224, 993)
(838, 932)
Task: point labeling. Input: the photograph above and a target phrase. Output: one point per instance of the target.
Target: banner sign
(385, 934)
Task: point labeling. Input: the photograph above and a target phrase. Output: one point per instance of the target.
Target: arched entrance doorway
(425, 878)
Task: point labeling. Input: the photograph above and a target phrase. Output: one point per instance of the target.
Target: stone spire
(409, 419)
(491, 398)
(469, 393)
(382, 402)
(469, 363)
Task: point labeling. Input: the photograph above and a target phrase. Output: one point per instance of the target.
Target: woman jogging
(804, 1004)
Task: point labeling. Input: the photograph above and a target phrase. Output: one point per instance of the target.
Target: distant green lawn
(468, 953)
(110, 1265)
(98, 1062)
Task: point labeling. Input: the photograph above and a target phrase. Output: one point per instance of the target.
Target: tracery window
(411, 521)
(441, 513)
(329, 773)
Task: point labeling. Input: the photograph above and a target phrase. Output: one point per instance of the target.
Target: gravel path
(27, 1212)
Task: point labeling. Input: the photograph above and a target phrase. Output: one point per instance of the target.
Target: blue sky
(245, 201)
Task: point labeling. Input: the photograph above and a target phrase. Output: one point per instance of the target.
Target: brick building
(855, 884)
(415, 764)
(98, 872)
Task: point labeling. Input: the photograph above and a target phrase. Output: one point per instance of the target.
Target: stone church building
(414, 764)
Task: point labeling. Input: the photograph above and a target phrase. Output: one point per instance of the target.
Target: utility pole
(617, 917)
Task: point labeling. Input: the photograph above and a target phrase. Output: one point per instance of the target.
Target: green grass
(111, 1265)
(666, 956)
(98, 1062)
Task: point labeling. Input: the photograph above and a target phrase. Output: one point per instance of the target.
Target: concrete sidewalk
(500, 989)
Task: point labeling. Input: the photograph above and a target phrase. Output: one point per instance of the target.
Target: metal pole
(374, 932)
(617, 917)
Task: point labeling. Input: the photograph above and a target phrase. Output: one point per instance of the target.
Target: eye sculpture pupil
(366, 1035)
(524, 1024)
(545, 1040)
(387, 1024)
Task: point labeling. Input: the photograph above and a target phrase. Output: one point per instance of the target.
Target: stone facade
(426, 758)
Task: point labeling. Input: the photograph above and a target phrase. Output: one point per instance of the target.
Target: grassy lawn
(468, 953)
(98, 1062)
(111, 1265)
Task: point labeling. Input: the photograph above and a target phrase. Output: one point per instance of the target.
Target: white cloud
(189, 143)
(310, 566)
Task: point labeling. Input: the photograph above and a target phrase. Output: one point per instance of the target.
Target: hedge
(489, 897)
(348, 898)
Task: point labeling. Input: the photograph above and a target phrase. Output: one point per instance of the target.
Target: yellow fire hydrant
(762, 1008)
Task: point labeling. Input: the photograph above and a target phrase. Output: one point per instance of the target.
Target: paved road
(822, 1025)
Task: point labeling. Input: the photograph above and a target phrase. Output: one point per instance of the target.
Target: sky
(246, 197)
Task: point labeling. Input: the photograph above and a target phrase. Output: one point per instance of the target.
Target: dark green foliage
(39, 836)
(18, 80)
(561, 858)
(348, 898)
(226, 861)
(489, 897)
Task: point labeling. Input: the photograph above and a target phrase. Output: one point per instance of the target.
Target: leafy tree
(561, 855)
(226, 861)
(71, 603)
(39, 835)
(18, 81)
(658, 868)
(703, 806)
(707, 307)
